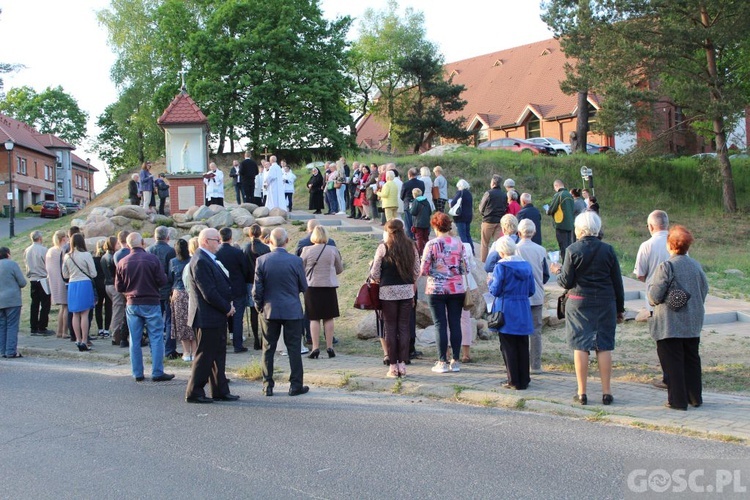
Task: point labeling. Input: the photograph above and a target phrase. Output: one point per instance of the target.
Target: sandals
(392, 372)
(401, 369)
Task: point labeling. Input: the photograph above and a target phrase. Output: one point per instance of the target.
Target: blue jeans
(333, 204)
(340, 198)
(170, 344)
(150, 317)
(9, 319)
(452, 305)
(464, 232)
(408, 223)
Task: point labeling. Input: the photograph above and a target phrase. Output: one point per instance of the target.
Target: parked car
(739, 156)
(518, 146)
(594, 149)
(36, 208)
(556, 144)
(70, 206)
(53, 209)
(702, 156)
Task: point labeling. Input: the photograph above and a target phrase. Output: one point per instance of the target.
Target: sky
(61, 43)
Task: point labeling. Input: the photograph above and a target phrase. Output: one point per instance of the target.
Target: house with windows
(43, 166)
(515, 93)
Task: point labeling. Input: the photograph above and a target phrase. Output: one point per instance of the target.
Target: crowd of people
(195, 292)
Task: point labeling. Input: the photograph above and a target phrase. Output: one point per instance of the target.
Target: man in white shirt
(34, 257)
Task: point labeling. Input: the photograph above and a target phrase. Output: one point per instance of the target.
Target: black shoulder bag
(496, 319)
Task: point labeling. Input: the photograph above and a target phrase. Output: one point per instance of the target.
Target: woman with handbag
(444, 262)
(322, 265)
(78, 267)
(396, 268)
(596, 302)
(678, 292)
(512, 283)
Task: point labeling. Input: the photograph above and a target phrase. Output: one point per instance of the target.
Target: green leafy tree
(51, 111)
(424, 107)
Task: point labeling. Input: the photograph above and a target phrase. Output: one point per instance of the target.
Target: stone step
(301, 216)
(354, 229)
(329, 222)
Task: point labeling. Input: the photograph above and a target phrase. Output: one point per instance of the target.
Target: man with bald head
(274, 186)
(279, 280)
(210, 307)
(139, 276)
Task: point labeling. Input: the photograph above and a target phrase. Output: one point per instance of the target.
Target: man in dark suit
(236, 263)
(248, 171)
(210, 306)
(407, 197)
(279, 279)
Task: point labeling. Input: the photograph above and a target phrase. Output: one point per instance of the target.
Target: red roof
(503, 87)
(182, 111)
(80, 162)
(24, 135)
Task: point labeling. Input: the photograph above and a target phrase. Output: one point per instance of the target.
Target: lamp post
(9, 145)
(88, 176)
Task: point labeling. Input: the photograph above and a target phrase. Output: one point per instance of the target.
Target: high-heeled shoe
(314, 354)
(581, 399)
(331, 352)
(401, 369)
(607, 399)
(83, 347)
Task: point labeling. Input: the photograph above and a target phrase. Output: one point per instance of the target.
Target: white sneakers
(443, 367)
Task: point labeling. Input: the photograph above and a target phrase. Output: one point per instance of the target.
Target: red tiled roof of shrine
(182, 111)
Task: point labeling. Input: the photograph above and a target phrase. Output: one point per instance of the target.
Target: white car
(555, 144)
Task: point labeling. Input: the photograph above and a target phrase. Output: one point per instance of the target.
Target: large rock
(160, 220)
(180, 218)
(261, 212)
(120, 221)
(131, 212)
(103, 211)
(190, 212)
(270, 221)
(221, 219)
(195, 230)
(216, 208)
(427, 336)
(250, 207)
(103, 227)
(366, 328)
(174, 234)
(278, 212)
(242, 217)
(77, 222)
(188, 225)
(92, 242)
(203, 213)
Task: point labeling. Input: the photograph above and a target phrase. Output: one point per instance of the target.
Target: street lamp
(88, 176)
(9, 144)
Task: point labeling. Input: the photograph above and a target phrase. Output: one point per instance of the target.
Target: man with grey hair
(651, 253)
(36, 271)
(493, 206)
(164, 251)
(536, 256)
(279, 280)
(139, 276)
(530, 212)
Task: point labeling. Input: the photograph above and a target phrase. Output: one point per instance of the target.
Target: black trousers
(40, 305)
(564, 240)
(681, 363)
(209, 364)
(271, 329)
(515, 349)
(396, 318)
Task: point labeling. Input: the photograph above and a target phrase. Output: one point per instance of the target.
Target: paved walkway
(721, 416)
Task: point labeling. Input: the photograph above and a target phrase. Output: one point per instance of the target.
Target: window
(47, 173)
(483, 134)
(21, 166)
(592, 116)
(533, 127)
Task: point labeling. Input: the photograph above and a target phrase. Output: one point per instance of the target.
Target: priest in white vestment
(275, 186)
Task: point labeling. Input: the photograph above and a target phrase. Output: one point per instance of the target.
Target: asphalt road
(22, 225)
(70, 431)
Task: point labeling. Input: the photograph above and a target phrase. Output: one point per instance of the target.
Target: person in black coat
(529, 211)
(407, 197)
(253, 250)
(315, 187)
(236, 263)
(210, 306)
(248, 171)
(133, 196)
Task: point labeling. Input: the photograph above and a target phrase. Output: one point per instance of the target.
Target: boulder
(203, 213)
(270, 221)
(78, 222)
(98, 228)
(221, 219)
(250, 207)
(92, 242)
(179, 218)
(366, 328)
(188, 225)
(278, 212)
(174, 234)
(95, 218)
(191, 211)
(120, 221)
(427, 336)
(424, 316)
(160, 220)
(196, 229)
(261, 212)
(216, 208)
(103, 211)
(734, 272)
(482, 331)
(242, 217)
(131, 212)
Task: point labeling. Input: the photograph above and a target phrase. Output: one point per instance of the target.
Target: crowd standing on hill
(196, 291)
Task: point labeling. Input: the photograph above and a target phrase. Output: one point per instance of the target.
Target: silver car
(553, 143)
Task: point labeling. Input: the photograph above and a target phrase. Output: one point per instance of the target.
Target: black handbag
(677, 297)
(496, 320)
(562, 301)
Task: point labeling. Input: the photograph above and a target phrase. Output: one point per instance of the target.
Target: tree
(688, 51)
(423, 108)
(52, 111)
(385, 42)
